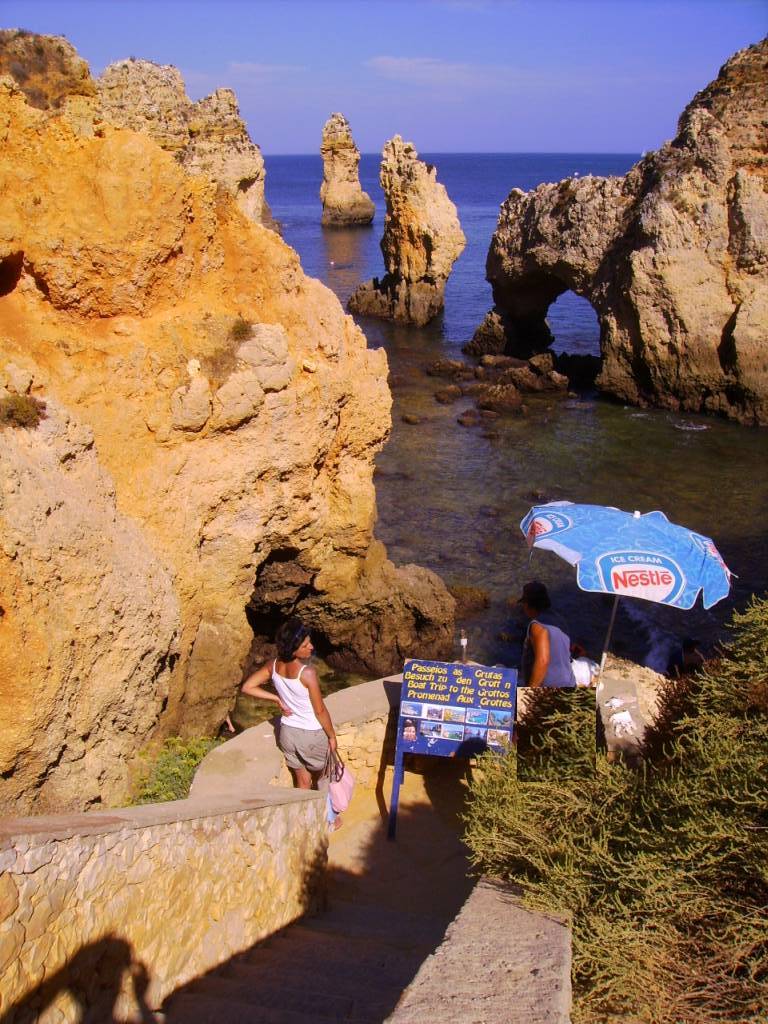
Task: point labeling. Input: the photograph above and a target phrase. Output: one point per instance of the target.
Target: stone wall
(364, 721)
(102, 915)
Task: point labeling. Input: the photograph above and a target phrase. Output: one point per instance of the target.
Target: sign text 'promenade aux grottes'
(452, 710)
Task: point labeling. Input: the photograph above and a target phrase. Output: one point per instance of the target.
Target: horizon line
(497, 152)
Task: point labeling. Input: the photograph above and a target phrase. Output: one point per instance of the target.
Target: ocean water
(451, 498)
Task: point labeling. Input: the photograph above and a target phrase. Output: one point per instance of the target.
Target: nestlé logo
(642, 574)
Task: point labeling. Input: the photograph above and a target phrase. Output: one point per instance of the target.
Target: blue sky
(451, 75)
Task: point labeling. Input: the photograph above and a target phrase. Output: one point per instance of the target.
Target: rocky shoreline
(197, 459)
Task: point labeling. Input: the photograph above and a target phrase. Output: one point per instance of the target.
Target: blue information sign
(450, 709)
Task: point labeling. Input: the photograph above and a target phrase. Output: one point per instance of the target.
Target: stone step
(186, 1008)
(316, 999)
(333, 947)
(343, 977)
(392, 927)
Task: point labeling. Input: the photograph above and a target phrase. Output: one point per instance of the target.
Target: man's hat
(536, 595)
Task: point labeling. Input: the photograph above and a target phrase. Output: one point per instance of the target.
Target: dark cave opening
(10, 272)
(282, 585)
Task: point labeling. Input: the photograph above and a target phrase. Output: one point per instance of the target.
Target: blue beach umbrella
(630, 555)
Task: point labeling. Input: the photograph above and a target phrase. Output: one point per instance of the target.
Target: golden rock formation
(421, 242)
(211, 418)
(344, 202)
(208, 137)
(46, 68)
(673, 258)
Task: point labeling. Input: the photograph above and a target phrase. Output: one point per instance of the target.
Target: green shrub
(664, 869)
(240, 330)
(21, 410)
(168, 772)
(556, 734)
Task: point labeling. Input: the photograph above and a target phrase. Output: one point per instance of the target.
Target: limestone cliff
(207, 137)
(46, 68)
(344, 202)
(422, 240)
(673, 257)
(204, 465)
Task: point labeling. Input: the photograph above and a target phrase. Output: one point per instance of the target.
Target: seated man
(547, 647)
(686, 660)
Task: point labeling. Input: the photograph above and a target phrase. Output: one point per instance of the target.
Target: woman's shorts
(304, 748)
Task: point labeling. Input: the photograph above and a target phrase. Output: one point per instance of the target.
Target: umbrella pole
(604, 655)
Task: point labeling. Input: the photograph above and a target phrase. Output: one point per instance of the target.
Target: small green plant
(240, 330)
(168, 772)
(21, 411)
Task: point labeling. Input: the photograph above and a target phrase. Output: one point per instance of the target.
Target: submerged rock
(673, 258)
(422, 240)
(453, 369)
(469, 418)
(448, 395)
(344, 202)
(469, 599)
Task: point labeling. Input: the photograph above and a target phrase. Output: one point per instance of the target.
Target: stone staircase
(349, 964)
(409, 938)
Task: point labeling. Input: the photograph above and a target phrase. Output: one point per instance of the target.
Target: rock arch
(673, 258)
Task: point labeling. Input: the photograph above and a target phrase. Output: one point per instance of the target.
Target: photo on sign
(430, 728)
(452, 732)
(434, 713)
(410, 710)
(474, 732)
(454, 714)
(409, 730)
(477, 716)
(501, 719)
(498, 738)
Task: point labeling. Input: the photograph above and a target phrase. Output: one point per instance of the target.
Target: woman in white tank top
(306, 730)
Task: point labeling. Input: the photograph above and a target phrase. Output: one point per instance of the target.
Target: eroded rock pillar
(422, 240)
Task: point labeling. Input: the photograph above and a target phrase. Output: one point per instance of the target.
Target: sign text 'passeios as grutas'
(450, 709)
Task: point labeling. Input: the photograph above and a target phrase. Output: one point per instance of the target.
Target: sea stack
(208, 137)
(673, 258)
(422, 240)
(344, 202)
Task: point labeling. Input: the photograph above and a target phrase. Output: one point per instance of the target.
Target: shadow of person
(99, 979)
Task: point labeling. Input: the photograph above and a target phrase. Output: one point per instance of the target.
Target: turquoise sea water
(451, 498)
